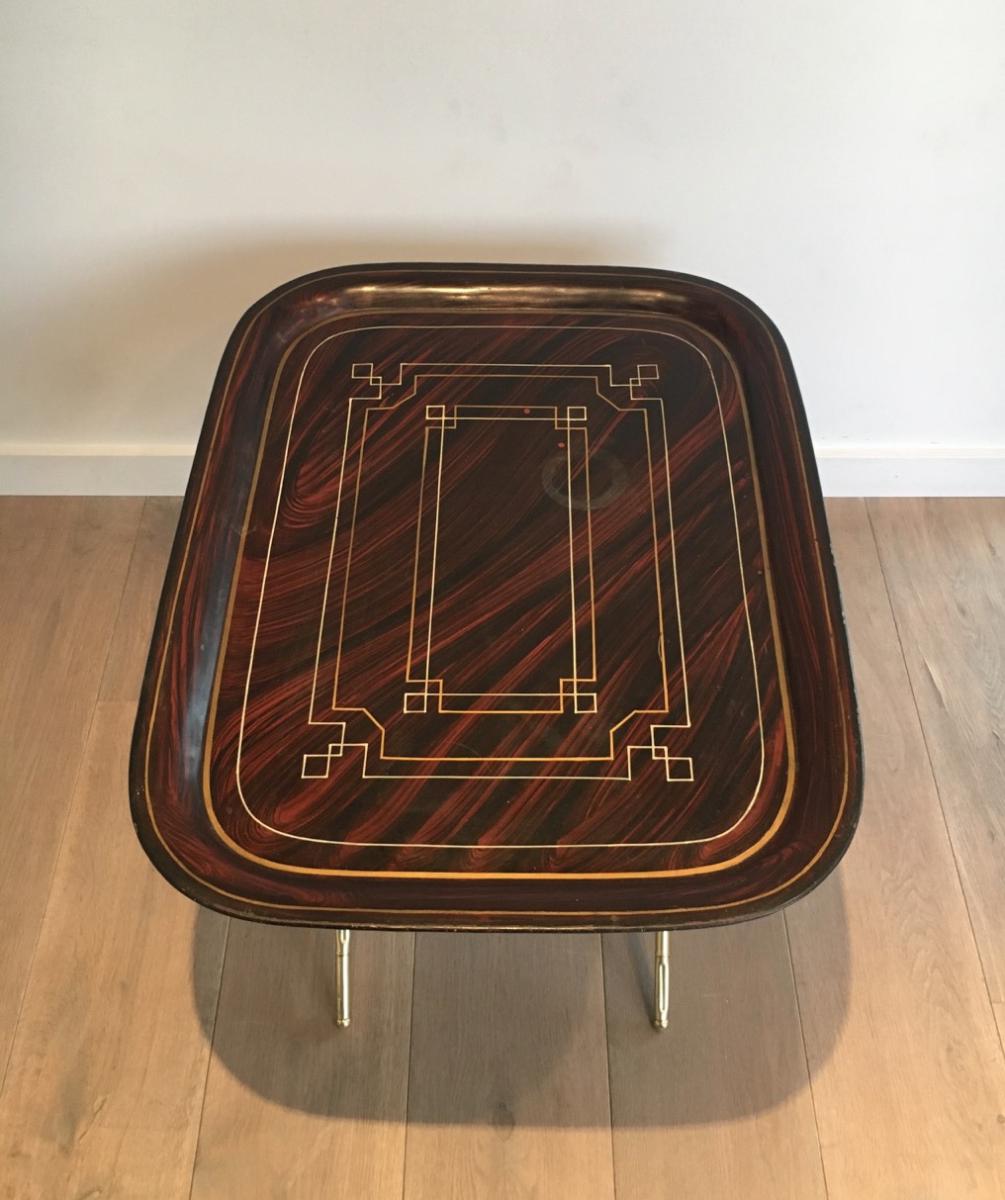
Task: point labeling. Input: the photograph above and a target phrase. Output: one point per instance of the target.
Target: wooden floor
(846, 1049)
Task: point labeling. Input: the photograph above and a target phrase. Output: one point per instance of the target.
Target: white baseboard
(159, 470)
(912, 470)
(79, 470)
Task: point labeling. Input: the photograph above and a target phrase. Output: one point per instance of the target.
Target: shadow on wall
(497, 1029)
(129, 357)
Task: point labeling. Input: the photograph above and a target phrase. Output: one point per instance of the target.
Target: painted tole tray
(501, 596)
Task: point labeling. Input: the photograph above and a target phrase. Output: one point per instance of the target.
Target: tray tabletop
(501, 596)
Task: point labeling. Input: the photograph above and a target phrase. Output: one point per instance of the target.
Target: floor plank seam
(122, 600)
(806, 1054)
(209, 1056)
(607, 1046)
(1000, 1026)
(411, 1050)
(935, 778)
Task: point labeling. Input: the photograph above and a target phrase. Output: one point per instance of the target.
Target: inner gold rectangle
(575, 688)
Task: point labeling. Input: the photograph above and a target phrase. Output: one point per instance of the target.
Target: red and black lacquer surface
(501, 596)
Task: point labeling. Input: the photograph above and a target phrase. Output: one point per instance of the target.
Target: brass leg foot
(341, 978)
(661, 980)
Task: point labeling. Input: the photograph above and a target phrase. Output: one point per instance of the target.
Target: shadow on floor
(494, 1029)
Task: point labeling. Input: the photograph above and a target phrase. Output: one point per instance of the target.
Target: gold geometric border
(421, 371)
(677, 769)
(571, 419)
(701, 869)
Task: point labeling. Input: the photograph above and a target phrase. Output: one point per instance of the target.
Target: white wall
(840, 161)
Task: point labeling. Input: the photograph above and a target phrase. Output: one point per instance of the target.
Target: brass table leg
(342, 978)
(661, 980)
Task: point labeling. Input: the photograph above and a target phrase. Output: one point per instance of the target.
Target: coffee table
(501, 598)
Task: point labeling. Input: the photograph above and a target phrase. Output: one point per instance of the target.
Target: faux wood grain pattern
(500, 616)
(107, 1071)
(911, 1099)
(945, 566)
(63, 566)
(127, 650)
(719, 1104)
(508, 1095)
(295, 1106)
(443, 644)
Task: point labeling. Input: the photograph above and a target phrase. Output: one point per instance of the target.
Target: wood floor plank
(64, 563)
(910, 1101)
(718, 1105)
(294, 1106)
(108, 1067)
(944, 563)
(127, 654)
(508, 1094)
